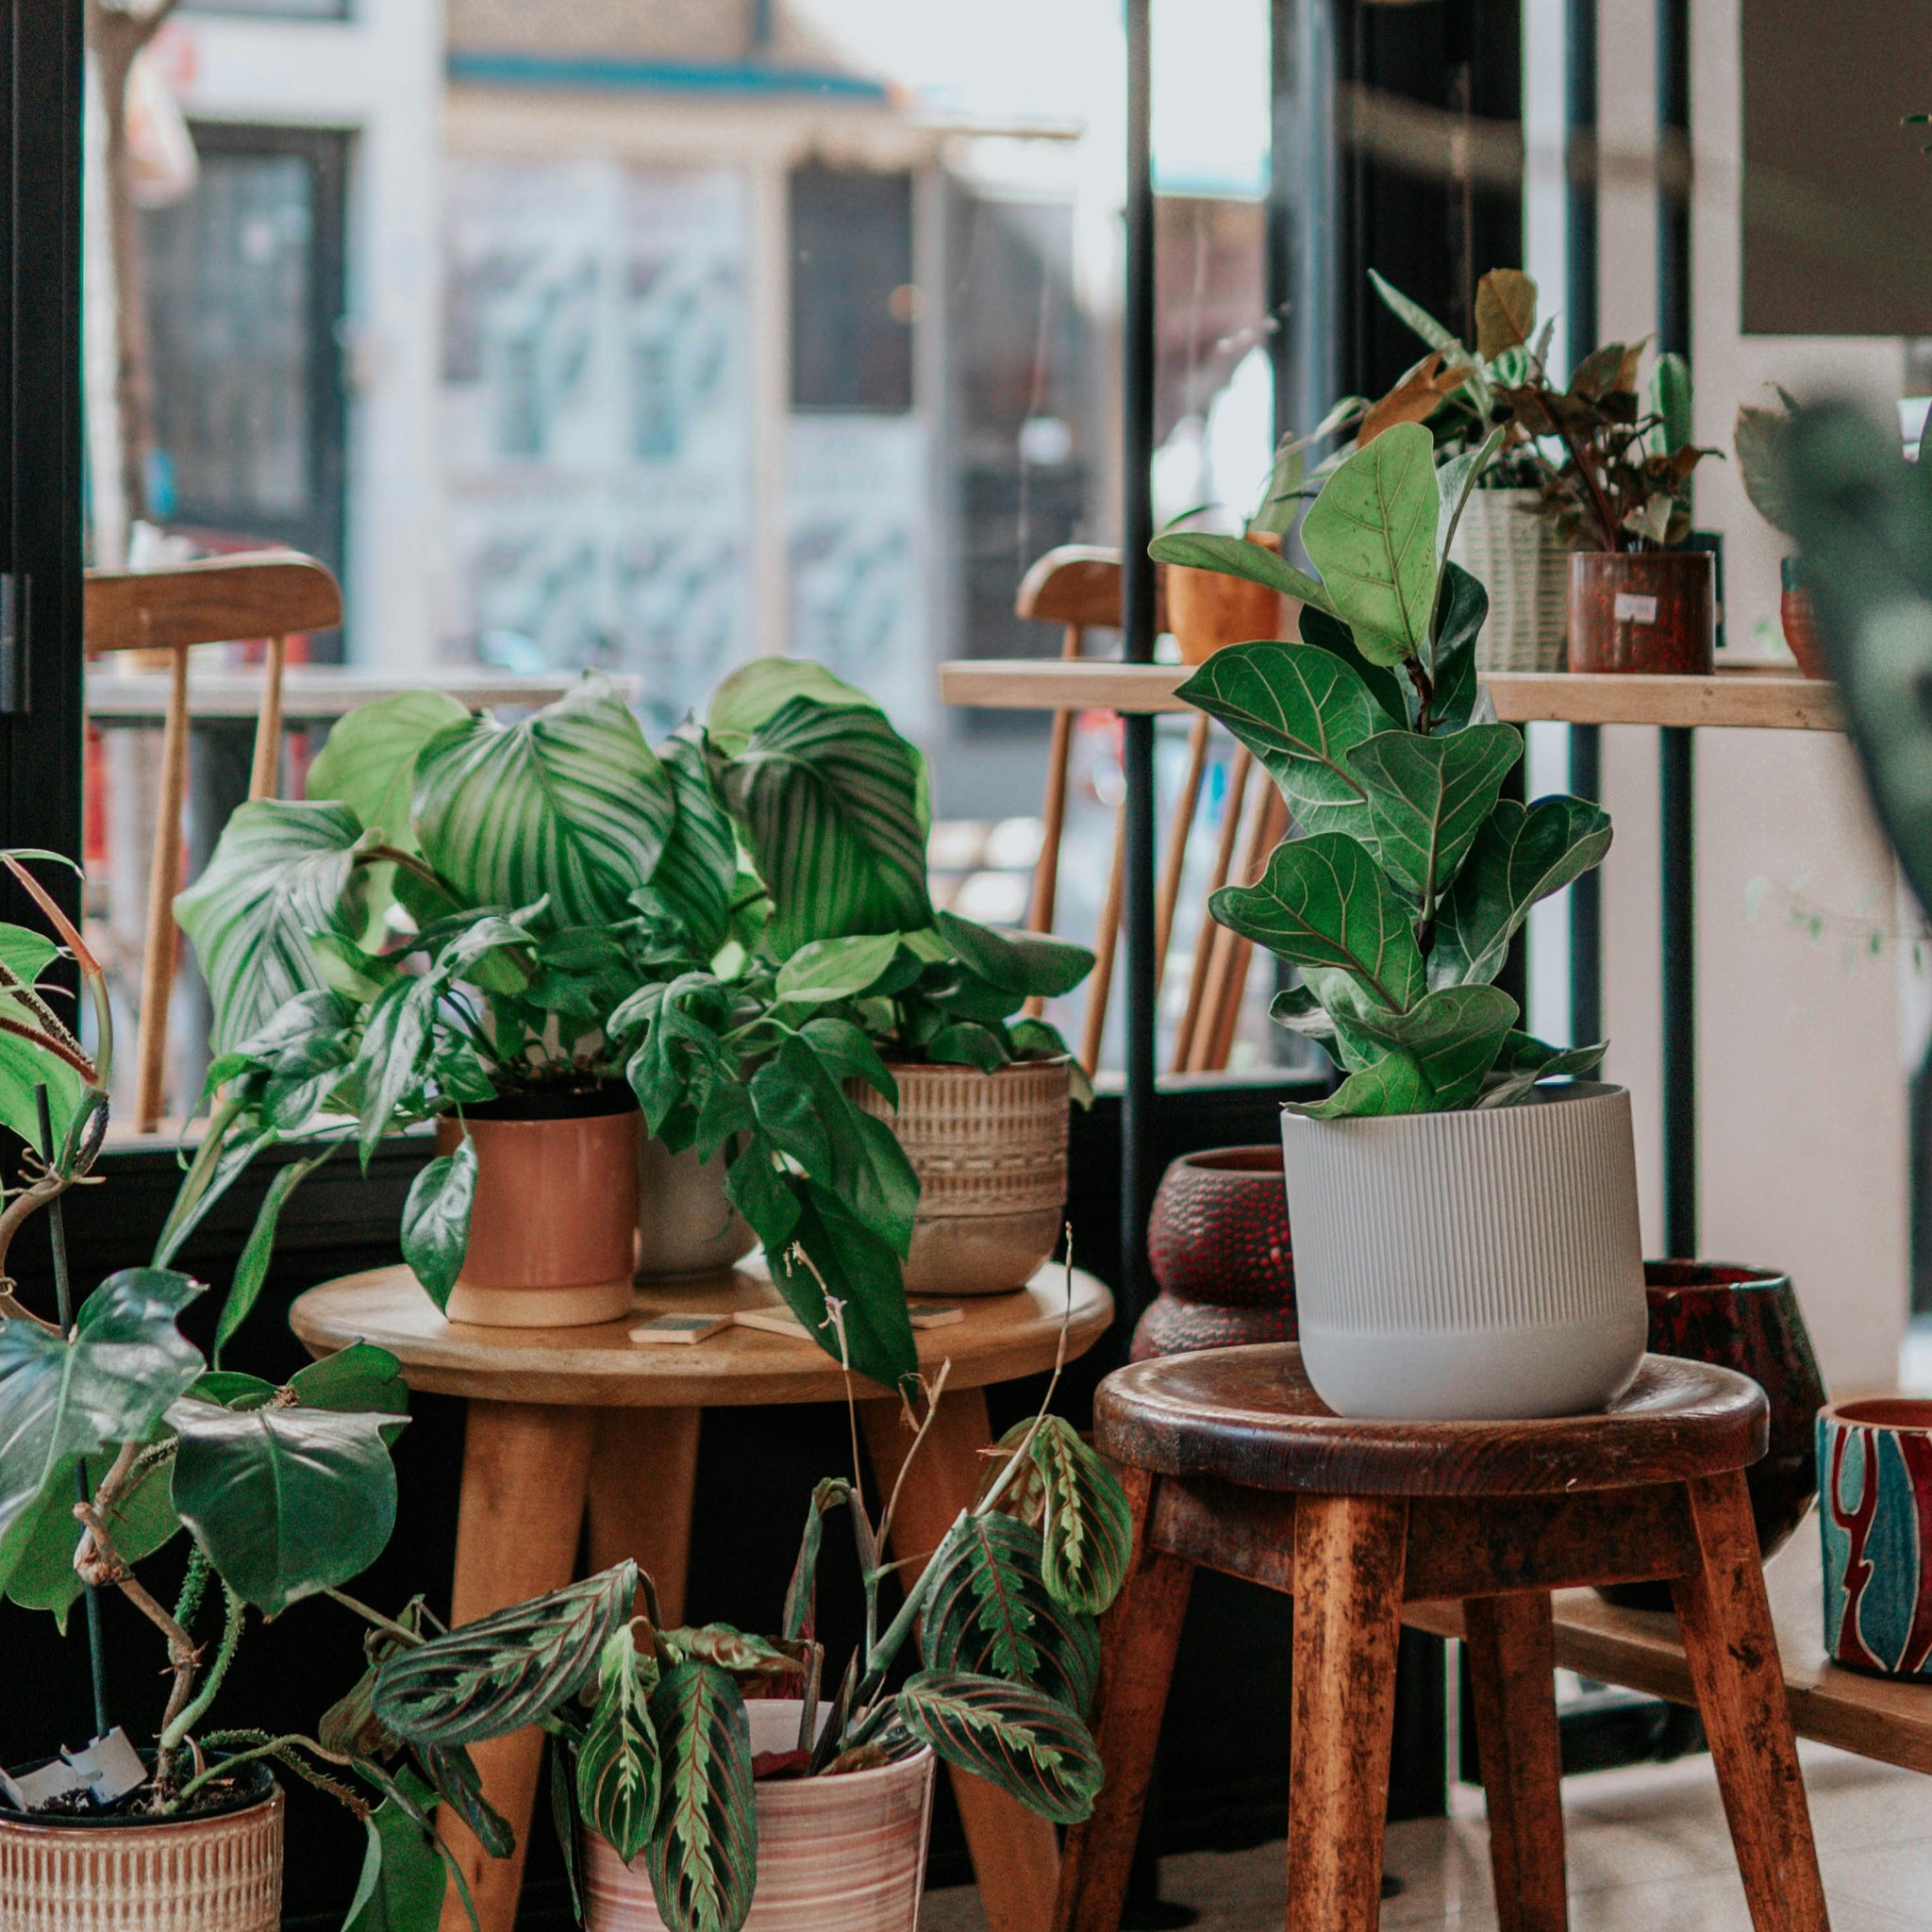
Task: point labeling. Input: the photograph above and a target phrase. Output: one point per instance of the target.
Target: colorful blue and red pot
(1874, 1521)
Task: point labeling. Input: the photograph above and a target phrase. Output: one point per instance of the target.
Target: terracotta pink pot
(553, 1230)
(835, 1854)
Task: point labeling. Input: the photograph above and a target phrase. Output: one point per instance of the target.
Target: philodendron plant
(649, 1745)
(1408, 872)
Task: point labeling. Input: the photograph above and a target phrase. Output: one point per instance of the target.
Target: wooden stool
(1231, 1460)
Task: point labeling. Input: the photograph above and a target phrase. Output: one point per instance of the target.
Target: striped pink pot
(835, 1854)
(192, 1874)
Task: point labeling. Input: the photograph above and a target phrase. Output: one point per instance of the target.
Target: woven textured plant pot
(685, 1225)
(991, 1153)
(835, 1854)
(218, 1874)
(1517, 559)
(1476, 1266)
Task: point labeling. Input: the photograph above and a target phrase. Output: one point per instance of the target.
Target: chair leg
(1512, 1662)
(1732, 1650)
(1139, 1638)
(1348, 1561)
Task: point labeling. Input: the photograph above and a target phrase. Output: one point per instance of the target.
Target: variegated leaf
(504, 1671)
(1086, 1534)
(617, 1763)
(703, 1858)
(699, 868)
(1018, 1739)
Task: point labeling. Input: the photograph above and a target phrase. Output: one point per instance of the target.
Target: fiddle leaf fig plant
(1407, 872)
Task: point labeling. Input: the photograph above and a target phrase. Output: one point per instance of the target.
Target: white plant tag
(41, 1787)
(1632, 608)
(110, 1767)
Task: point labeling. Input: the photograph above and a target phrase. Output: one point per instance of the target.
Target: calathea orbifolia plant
(447, 921)
(844, 970)
(1409, 871)
(650, 1746)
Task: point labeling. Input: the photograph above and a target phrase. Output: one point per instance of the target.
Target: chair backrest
(1080, 584)
(216, 600)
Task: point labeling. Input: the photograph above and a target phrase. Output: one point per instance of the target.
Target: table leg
(1512, 1669)
(1015, 1854)
(1348, 1563)
(526, 1468)
(644, 1469)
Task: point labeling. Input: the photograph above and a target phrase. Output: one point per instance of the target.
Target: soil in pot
(1644, 610)
(554, 1229)
(1218, 1243)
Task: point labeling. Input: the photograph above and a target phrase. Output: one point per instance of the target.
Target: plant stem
(387, 1625)
(194, 1587)
(195, 1184)
(275, 1747)
(196, 1708)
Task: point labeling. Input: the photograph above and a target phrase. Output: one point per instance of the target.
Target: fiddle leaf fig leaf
(703, 1857)
(436, 1219)
(1389, 689)
(1525, 1061)
(1235, 557)
(1086, 1532)
(1523, 853)
(1452, 663)
(1451, 1034)
(1429, 797)
(1324, 902)
(1027, 1744)
(507, 1669)
(1393, 1085)
(617, 1763)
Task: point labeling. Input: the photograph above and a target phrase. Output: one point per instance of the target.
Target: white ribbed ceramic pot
(220, 1874)
(835, 1854)
(1485, 1265)
(1516, 557)
(686, 1225)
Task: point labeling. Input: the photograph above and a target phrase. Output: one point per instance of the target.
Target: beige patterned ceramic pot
(835, 1854)
(991, 1153)
(221, 1873)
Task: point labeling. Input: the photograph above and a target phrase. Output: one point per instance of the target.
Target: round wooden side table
(563, 1420)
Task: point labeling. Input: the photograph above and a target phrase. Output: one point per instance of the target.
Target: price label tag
(1632, 608)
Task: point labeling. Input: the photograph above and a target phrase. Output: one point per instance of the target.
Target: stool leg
(1732, 1650)
(1512, 1663)
(1348, 1560)
(644, 1466)
(1139, 1636)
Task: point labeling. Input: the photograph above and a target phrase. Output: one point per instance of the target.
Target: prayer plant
(1407, 872)
(649, 1742)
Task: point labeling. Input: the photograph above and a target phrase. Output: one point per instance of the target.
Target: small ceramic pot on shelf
(1644, 610)
(687, 1225)
(1218, 1244)
(1874, 1522)
(1799, 620)
(1207, 610)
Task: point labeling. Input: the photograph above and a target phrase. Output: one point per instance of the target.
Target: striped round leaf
(570, 805)
(828, 799)
(369, 761)
(754, 694)
(280, 872)
(1087, 1533)
(504, 1671)
(617, 1765)
(699, 868)
(703, 1857)
(989, 1613)
(1018, 1739)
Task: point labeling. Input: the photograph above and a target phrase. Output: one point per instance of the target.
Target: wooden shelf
(1764, 699)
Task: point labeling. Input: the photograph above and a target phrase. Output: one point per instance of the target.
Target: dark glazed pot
(1218, 1244)
(1746, 1319)
(1645, 610)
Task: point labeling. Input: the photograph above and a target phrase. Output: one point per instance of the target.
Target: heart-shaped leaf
(1429, 797)
(1086, 1529)
(368, 760)
(402, 1881)
(1025, 1742)
(1505, 311)
(356, 1379)
(436, 1219)
(756, 691)
(617, 1763)
(1453, 1035)
(141, 1520)
(835, 969)
(703, 1858)
(1032, 963)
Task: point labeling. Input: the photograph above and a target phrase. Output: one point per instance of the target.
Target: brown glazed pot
(553, 1230)
(220, 1871)
(1218, 1243)
(1800, 621)
(1644, 610)
(1207, 610)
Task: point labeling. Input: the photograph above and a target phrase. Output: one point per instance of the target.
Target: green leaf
(1454, 481)
(1525, 1061)
(436, 1219)
(1522, 855)
(800, 1619)
(1429, 797)
(1324, 902)
(756, 1187)
(37, 1046)
(699, 866)
(62, 1399)
(1390, 688)
(368, 760)
(1452, 665)
(965, 1044)
(570, 805)
(828, 799)
(862, 1269)
(356, 1379)
(1394, 1085)
(560, 1775)
(141, 1520)
(835, 969)
(756, 692)
(1027, 1744)
(1418, 318)
(1086, 1532)
(506, 1671)
(846, 1052)
(703, 1857)
(280, 872)
(1235, 557)
(1300, 709)
(402, 1882)
(1372, 534)
(617, 1763)
(250, 1271)
(458, 1783)
(1031, 963)
(989, 1610)
(1453, 1035)
(286, 1501)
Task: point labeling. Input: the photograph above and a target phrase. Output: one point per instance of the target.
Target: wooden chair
(1232, 1460)
(264, 593)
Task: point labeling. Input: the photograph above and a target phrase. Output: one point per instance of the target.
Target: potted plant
(1757, 440)
(440, 931)
(1465, 1240)
(118, 1438)
(700, 1775)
